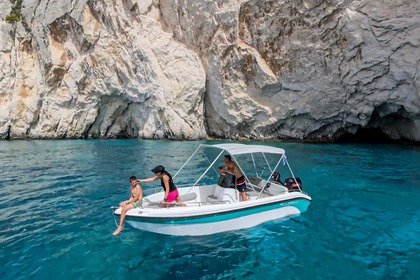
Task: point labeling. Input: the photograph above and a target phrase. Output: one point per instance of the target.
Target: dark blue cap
(158, 168)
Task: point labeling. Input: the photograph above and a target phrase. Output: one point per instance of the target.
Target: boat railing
(264, 187)
(188, 203)
(200, 203)
(113, 208)
(188, 199)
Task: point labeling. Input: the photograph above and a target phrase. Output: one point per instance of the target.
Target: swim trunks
(241, 184)
(137, 204)
(172, 196)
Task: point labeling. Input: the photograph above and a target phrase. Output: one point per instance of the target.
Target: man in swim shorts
(230, 166)
(135, 201)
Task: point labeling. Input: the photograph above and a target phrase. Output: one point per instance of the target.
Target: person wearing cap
(171, 192)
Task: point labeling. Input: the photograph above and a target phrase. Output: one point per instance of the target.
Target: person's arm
(221, 167)
(230, 168)
(125, 202)
(148, 180)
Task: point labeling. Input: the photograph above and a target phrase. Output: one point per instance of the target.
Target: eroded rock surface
(98, 69)
(306, 70)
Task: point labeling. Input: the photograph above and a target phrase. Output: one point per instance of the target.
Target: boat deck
(213, 194)
(264, 188)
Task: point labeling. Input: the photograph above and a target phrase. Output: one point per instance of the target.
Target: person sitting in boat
(230, 166)
(135, 201)
(171, 192)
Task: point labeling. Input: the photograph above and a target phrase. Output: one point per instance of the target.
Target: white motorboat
(213, 203)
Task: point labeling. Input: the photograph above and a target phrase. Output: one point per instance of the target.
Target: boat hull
(212, 223)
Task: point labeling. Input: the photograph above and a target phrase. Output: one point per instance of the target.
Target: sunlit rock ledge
(269, 70)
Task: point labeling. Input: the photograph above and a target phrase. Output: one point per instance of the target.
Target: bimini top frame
(240, 149)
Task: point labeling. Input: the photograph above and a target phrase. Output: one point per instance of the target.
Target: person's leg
(174, 196)
(242, 189)
(178, 199)
(122, 218)
(244, 196)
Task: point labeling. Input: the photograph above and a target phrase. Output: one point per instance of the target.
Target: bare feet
(119, 229)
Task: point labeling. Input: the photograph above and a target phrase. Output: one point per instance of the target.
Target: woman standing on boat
(171, 192)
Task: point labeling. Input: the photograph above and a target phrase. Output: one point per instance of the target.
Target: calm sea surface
(56, 222)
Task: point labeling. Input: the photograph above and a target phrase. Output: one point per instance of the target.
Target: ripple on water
(55, 218)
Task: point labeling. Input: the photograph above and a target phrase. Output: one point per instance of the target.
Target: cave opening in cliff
(365, 135)
(381, 119)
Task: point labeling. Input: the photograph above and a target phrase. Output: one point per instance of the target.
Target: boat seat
(222, 195)
(184, 197)
(213, 199)
(254, 180)
(252, 194)
(150, 202)
(188, 196)
(263, 184)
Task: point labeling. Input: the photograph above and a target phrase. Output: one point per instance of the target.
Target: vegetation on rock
(14, 15)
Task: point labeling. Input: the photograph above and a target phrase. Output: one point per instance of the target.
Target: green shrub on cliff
(12, 18)
(14, 15)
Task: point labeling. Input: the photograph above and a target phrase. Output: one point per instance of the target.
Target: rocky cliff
(183, 69)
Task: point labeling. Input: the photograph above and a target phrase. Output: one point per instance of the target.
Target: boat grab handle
(113, 208)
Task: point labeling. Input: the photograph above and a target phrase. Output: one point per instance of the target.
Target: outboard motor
(291, 184)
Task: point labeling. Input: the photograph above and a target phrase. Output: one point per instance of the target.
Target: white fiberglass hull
(218, 226)
(210, 219)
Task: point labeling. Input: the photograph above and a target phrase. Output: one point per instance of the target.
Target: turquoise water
(55, 218)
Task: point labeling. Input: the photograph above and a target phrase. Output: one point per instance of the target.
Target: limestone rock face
(310, 70)
(254, 69)
(98, 69)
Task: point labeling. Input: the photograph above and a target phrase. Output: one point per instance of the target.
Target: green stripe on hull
(301, 204)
